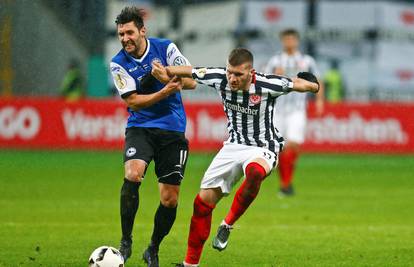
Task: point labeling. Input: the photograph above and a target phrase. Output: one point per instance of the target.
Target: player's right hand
(160, 72)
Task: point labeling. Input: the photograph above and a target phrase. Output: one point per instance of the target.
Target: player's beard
(131, 47)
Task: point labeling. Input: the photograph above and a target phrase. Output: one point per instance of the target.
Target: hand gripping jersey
(127, 71)
(249, 113)
(292, 65)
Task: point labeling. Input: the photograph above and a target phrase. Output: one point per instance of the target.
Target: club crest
(254, 99)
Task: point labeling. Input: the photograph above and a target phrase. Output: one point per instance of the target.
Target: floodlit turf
(57, 207)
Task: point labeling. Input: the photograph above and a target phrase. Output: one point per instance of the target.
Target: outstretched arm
(305, 82)
(164, 74)
(181, 71)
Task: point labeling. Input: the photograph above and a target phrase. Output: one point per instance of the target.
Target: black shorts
(168, 149)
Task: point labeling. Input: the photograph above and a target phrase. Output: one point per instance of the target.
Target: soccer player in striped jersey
(290, 115)
(253, 145)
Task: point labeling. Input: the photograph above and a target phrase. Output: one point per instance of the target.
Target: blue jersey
(127, 71)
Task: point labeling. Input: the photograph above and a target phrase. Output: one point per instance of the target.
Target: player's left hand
(160, 72)
(173, 86)
(308, 76)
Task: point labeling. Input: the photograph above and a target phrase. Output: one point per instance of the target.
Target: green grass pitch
(350, 210)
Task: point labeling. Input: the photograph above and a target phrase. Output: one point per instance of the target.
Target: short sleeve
(274, 85)
(209, 76)
(123, 81)
(174, 56)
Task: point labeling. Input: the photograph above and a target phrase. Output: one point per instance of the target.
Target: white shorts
(292, 125)
(229, 164)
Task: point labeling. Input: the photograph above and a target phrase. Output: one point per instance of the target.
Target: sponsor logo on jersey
(254, 100)
(179, 61)
(147, 67)
(250, 110)
(133, 69)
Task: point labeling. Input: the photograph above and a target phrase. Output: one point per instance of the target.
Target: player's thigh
(266, 158)
(296, 129)
(225, 170)
(138, 153)
(170, 157)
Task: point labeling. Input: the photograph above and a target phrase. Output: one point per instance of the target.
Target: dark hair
(289, 31)
(239, 56)
(129, 14)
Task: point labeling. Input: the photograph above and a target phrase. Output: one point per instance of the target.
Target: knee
(255, 173)
(170, 201)
(134, 174)
(201, 208)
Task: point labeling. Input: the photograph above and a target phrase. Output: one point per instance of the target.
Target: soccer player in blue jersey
(155, 128)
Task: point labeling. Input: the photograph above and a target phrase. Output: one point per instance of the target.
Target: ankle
(127, 239)
(153, 247)
(230, 226)
(189, 265)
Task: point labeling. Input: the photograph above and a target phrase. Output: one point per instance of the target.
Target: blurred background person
(290, 112)
(334, 89)
(72, 88)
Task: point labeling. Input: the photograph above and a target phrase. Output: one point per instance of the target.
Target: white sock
(189, 265)
(226, 224)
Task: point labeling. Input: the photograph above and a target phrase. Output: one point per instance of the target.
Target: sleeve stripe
(271, 86)
(216, 68)
(273, 76)
(125, 95)
(211, 76)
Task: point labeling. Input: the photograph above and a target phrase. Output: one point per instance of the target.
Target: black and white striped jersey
(249, 113)
(292, 65)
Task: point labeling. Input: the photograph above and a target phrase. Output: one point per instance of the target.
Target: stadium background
(61, 162)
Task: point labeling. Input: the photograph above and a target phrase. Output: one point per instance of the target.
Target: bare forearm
(185, 72)
(301, 85)
(189, 83)
(181, 71)
(137, 102)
